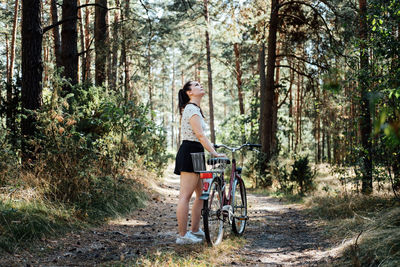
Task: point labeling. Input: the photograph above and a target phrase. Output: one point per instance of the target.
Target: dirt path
(277, 234)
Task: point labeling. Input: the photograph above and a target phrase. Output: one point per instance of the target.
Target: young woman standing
(194, 140)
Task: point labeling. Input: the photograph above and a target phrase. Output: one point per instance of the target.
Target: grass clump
(22, 221)
(27, 215)
(193, 255)
(369, 224)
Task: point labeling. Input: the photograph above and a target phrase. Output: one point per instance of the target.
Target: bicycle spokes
(212, 215)
(239, 205)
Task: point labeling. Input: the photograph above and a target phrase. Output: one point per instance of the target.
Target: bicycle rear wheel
(212, 215)
(239, 206)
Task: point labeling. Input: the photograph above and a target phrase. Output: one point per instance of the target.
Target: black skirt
(183, 161)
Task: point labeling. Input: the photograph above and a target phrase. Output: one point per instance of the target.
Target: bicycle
(220, 206)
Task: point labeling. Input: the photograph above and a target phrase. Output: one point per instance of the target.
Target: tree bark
(365, 116)
(82, 58)
(32, 68)
(298, 115)
(69, 42)
(275, 107)
(56, 33)
(13, 37)
(100, 42)
(114, 58)
(149, 80)
(318, 126)
(238, 77)
(173, 105)
(290, 135)
(124, 53)
(301, 107)
(87, 57)
(7, 54)
(210, 84)
(10, 107)
(267, 95)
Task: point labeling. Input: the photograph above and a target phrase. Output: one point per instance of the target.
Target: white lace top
(187, 131)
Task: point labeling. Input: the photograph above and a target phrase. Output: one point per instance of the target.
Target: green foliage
(87, 135)
(302, 175)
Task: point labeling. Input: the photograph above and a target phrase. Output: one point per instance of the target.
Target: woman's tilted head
(191, 90)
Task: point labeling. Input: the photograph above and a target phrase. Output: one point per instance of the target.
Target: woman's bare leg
(197, 207)
(188, 184)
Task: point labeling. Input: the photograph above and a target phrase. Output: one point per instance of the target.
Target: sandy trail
(277, 234)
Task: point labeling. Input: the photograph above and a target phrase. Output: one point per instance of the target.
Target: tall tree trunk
(114, 59)
(275, 107)
(365, 116)
(83, 45)
(173, 105)
(13, 38)
(69, 42)
(297, 111)
(7, 54)
(290, 133)
(86, 76)
(318, 126)
(329, 138)
(238, 77)
(210, 84)
(10, 107)
(32, 68)
(46, 60)
(301, 107)
(323, 144)
(267, 95)
(124, 52)
(56, 33)
(149, 81)
(100, 41)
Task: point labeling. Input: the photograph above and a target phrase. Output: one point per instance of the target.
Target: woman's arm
(195, 122)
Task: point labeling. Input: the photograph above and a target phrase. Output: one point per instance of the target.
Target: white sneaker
(188, 238)
(199, 234)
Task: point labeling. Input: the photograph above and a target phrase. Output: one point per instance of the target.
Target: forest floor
(277, 234)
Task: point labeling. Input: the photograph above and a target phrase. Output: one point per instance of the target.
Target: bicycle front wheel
(239, 206)
(212, 215)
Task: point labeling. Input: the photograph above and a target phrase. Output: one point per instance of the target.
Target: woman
(194, 140)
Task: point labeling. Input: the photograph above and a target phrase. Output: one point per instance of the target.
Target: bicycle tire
(239, 207)
(213, 216)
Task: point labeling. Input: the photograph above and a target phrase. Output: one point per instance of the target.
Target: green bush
(89, 134)
(302, 175)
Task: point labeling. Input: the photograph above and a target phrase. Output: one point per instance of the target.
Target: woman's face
(196, 90)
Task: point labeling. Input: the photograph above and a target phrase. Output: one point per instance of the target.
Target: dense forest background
(89, 92)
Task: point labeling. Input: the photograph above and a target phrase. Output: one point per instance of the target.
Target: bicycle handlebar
(233, 149)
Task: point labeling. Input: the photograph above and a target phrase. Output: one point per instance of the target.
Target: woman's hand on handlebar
(220, 155)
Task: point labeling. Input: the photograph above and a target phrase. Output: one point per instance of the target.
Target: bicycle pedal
(242, 218)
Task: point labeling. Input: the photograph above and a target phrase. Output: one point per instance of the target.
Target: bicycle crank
(228, 211)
